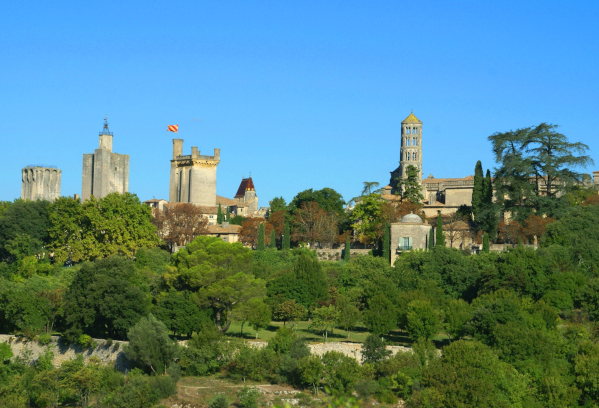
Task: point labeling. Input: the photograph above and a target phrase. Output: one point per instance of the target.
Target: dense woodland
(518, 328)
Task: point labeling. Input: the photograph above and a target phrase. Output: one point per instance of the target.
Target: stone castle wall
(337, 254)
(40, 183)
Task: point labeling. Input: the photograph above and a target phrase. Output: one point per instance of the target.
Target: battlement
(195, 155)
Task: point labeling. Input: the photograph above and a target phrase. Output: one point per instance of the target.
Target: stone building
(193, 177)
(104, 172)
(408, 234)
(40, 183)
(410, 151)
(246, 200)
(228, 232)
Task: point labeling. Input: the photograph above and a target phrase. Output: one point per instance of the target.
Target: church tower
(410, 152)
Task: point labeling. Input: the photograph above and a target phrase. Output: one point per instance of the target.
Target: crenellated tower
(410, 152)
(193, 177)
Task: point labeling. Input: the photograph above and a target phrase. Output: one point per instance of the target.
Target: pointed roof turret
(246, 184)
(411, 119)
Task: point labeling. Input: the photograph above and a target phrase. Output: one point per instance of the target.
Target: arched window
(415, 131)
(408, 141)
(408, 130)
(414, 156)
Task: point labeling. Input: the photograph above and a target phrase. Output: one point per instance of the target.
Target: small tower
(410, 152)
(39, 182)
(246, 196)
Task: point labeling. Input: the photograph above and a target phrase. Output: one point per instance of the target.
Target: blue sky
(304, 94)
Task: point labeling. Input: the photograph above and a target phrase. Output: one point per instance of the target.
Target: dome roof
(412, 218)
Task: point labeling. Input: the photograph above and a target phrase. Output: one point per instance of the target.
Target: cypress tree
(440, 241)
(431, 238)
(347, 254)
(227, 215)
(488, 208)
(386, 243)
(287, 237)
(486, 243)
(219, 215)
(477, 191)
(260, 246)
(273, 240)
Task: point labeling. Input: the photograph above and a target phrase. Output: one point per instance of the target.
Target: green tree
(273, 240)
(219, 215)
(324, 319)
(347, 252)
(255, 312)
(237, 220)
(431, 238)
(149, 346)
(311, 370)
(289, 311)
(349, 314)
(219, 273)
(485, 243)
(367, 218)
(179, 314)
(278, 204)
(381, 316)
(374, 349)
(287, 237)
(24, 218)
(440, 238)
(227, 215)
(422, 320)
(260, 246)
(411, 189)
(104, 299)
(456, 314)
(326, 198)
(477, 191)
(387, 243)
(340, 372)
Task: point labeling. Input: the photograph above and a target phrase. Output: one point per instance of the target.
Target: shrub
(44, 339)
(108, 342)
(85, 341)
(248, 397)
(218, 401)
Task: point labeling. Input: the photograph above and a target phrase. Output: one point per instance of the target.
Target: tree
(411, 189)
(289, 311)
(486, 243)
(477, 191)
(260, 245)
(103, 299)
(456, 314)
(374, 349)
(340, 372)
(431, 238)
(535, 227)
(440, 238)
(237, 220)
(347, 252)
(278, 204)
(149, 346)
(180, 223)
(422, 320)
(179, 314)
(348, 313)
(324, 319)
(249, 234)
(311, 371)
(24, 218)
(273, 240)
(227, 215)
(536, 165)
(219, 215)
(327, 199)
(314, 225)
(220, 275)
(287, 237)
(255, 312)
(370, 187)
(381, 317)
(387, 243)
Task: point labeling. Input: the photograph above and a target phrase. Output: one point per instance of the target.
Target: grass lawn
(357, 336)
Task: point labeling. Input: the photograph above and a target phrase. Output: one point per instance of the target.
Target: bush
(249, 397)
(108, 342)
(44, 339)
(86, 341)
(218, 401)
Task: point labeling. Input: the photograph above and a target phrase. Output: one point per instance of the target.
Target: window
(413, 156)
(415, 131)
(408, 131)
(415, 141)
(407, 141)
(405, 244)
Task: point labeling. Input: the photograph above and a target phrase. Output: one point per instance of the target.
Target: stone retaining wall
(337, 254)
(31, 350)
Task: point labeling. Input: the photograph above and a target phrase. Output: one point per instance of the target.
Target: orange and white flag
(173, 128)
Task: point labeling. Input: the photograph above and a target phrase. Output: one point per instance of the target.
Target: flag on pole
(173, 128)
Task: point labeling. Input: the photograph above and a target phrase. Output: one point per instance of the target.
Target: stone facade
(40, 183)
(193, 177)
(408, 234)
(104, 172)
(246, 200)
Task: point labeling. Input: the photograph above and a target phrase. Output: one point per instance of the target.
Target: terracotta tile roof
(246, 184)
(431, 179)
(208, 209)
(219, 229)
(155, 200)
(225, 202)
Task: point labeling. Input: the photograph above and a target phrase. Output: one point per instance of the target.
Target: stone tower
(104, 172)
(246, 196)
(40, 183)
(410, 152)
(193, 177)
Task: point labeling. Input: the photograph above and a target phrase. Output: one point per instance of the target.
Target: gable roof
(225, 202)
